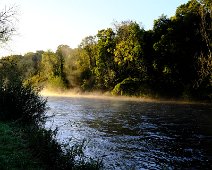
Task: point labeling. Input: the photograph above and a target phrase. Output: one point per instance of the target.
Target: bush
(56, 83)
(131, 86)
(44, 145)
(22, 103)
(18, 102)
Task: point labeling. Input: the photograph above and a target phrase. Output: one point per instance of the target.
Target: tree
(181, 48)
(203, 81)
(205, 11)
(62, 52)
(50, 64)
(88, 49)
(86, 62)
(7, 24)
(104, 70)
(53, 68)
(128, 51)
(71, 67)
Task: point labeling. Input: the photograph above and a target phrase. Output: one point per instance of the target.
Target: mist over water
(134, 134)
(76, 93)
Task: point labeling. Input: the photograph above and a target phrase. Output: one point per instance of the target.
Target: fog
(76, 93)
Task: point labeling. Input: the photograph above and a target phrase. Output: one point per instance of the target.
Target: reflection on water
(137, 135)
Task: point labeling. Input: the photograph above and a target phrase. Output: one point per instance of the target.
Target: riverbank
(30, 147)
(15, 152)
(25, 141)
(108, 95)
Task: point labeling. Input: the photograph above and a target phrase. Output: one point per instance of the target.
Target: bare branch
(7, 23)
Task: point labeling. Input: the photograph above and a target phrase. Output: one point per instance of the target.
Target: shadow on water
(136, 135)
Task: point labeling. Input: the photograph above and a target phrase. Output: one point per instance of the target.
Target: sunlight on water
(136, 135)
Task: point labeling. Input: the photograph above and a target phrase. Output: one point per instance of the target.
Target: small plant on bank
(59, 156)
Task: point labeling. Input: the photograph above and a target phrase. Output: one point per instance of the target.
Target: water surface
(134, 134)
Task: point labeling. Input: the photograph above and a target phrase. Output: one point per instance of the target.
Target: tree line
(173, 59)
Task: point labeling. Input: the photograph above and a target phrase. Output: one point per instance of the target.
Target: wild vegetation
(24, 141)
(14, 152)
(22, 118)
(171, 60)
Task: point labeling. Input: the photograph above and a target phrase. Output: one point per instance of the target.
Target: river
(136, 134)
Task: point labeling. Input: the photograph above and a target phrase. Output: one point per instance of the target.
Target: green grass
(14, 152)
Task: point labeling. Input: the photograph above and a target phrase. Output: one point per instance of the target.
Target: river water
(135, 134)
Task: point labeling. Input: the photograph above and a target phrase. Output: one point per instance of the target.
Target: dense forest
(174, 59)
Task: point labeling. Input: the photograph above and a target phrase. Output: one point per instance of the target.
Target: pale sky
(45, 24)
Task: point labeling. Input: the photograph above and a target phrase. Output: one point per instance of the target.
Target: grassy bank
(15, 152)
(30, 147)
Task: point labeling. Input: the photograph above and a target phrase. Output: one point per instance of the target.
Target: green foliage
(53, 68)
(23, 105)
(87, 80)
(131, 87)
(88, 51)
(44, 145)
(173, 59)
(14, 151)
(32, 147)
(55, 83)
(50, 64)
(62, 52)
(19, 102)
(128, 53)
(105, 59)
(16, 100)
(128, 49)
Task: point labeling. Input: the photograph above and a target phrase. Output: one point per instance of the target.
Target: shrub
(44, 145)
(23, 103)
(131, 86)
(56, 83)
(18, 102)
